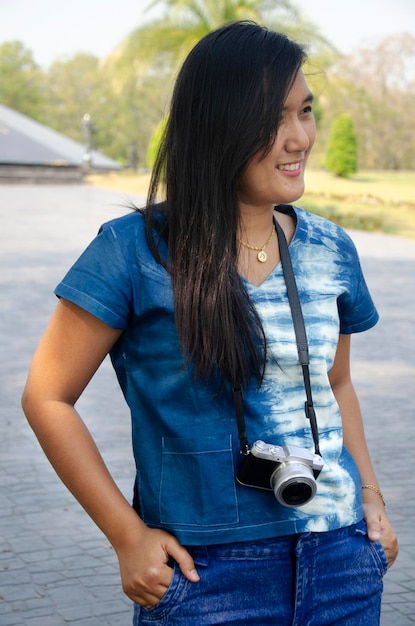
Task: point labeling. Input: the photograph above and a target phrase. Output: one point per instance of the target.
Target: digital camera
(289, 471)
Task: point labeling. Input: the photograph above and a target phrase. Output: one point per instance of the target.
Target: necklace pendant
(262, 256)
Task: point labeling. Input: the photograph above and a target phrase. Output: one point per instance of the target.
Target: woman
(189, 299)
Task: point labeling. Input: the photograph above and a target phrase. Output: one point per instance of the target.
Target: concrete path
(56, 568)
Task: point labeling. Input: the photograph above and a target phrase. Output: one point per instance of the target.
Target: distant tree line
(375, 86)
(126, 94)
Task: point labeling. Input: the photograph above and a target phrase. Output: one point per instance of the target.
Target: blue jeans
(312, 579)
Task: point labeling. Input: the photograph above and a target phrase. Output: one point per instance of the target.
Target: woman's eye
(308, 109)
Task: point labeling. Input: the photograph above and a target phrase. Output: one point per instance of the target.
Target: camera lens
(293, 484)
(296, 493)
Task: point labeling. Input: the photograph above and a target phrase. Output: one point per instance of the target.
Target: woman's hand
(379, 529)
(144, 568)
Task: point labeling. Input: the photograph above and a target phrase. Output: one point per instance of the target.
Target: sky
(52, 29)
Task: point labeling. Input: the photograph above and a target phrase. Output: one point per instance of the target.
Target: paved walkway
(56, 568)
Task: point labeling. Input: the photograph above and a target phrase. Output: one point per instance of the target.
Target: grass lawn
(375, 201)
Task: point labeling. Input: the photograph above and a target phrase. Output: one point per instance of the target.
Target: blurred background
(100, 73)
(115, 61)
(84, 89)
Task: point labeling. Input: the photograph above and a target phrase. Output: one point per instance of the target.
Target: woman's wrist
(128, 529)
(375, 490)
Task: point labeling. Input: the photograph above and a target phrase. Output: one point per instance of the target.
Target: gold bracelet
(376, 490)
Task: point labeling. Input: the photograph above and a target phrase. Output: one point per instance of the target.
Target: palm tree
(168, 39)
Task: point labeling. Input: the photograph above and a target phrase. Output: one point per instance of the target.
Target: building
(30, 151)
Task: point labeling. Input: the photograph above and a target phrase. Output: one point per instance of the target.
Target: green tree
(21, 80)
(341, 158)
(376, 86)
(123, 112)
(73, 87)
(155, 142)
(136, 104)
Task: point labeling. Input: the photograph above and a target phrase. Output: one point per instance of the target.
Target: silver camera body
(289, 471)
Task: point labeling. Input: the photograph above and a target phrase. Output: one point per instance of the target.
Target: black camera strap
(302, 347)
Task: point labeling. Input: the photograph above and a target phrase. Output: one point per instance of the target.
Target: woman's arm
(71, 350)
(378, 525)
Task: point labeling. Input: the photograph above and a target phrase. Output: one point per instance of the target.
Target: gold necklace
(262, 255)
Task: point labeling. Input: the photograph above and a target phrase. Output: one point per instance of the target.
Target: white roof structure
(24, 141)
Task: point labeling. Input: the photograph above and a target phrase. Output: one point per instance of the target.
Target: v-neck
(287, 209)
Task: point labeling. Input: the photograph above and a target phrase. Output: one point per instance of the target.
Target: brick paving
(56, 568)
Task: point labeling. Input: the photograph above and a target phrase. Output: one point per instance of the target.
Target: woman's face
(279, 177)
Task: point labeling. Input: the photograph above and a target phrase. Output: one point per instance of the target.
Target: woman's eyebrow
(307, 100)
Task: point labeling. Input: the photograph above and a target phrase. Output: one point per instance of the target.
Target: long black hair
(226, 106)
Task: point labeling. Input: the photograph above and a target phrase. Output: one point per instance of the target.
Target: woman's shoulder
(125, 225)
(320, 230)
(130, 234)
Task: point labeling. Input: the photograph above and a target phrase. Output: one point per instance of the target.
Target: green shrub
(154, 144)
(341, 157)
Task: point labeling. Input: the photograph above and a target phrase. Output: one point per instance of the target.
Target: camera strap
(302, 348)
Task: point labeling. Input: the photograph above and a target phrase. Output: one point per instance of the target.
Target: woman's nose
(299, 137)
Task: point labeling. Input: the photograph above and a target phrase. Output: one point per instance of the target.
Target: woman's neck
(255, 233)
(255, 223)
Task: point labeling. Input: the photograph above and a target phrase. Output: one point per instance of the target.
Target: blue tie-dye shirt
(185, 438)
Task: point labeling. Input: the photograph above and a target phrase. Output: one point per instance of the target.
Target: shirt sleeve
(356, 308)
(99, 281)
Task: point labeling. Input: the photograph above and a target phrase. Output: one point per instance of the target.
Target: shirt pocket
(198, 482)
